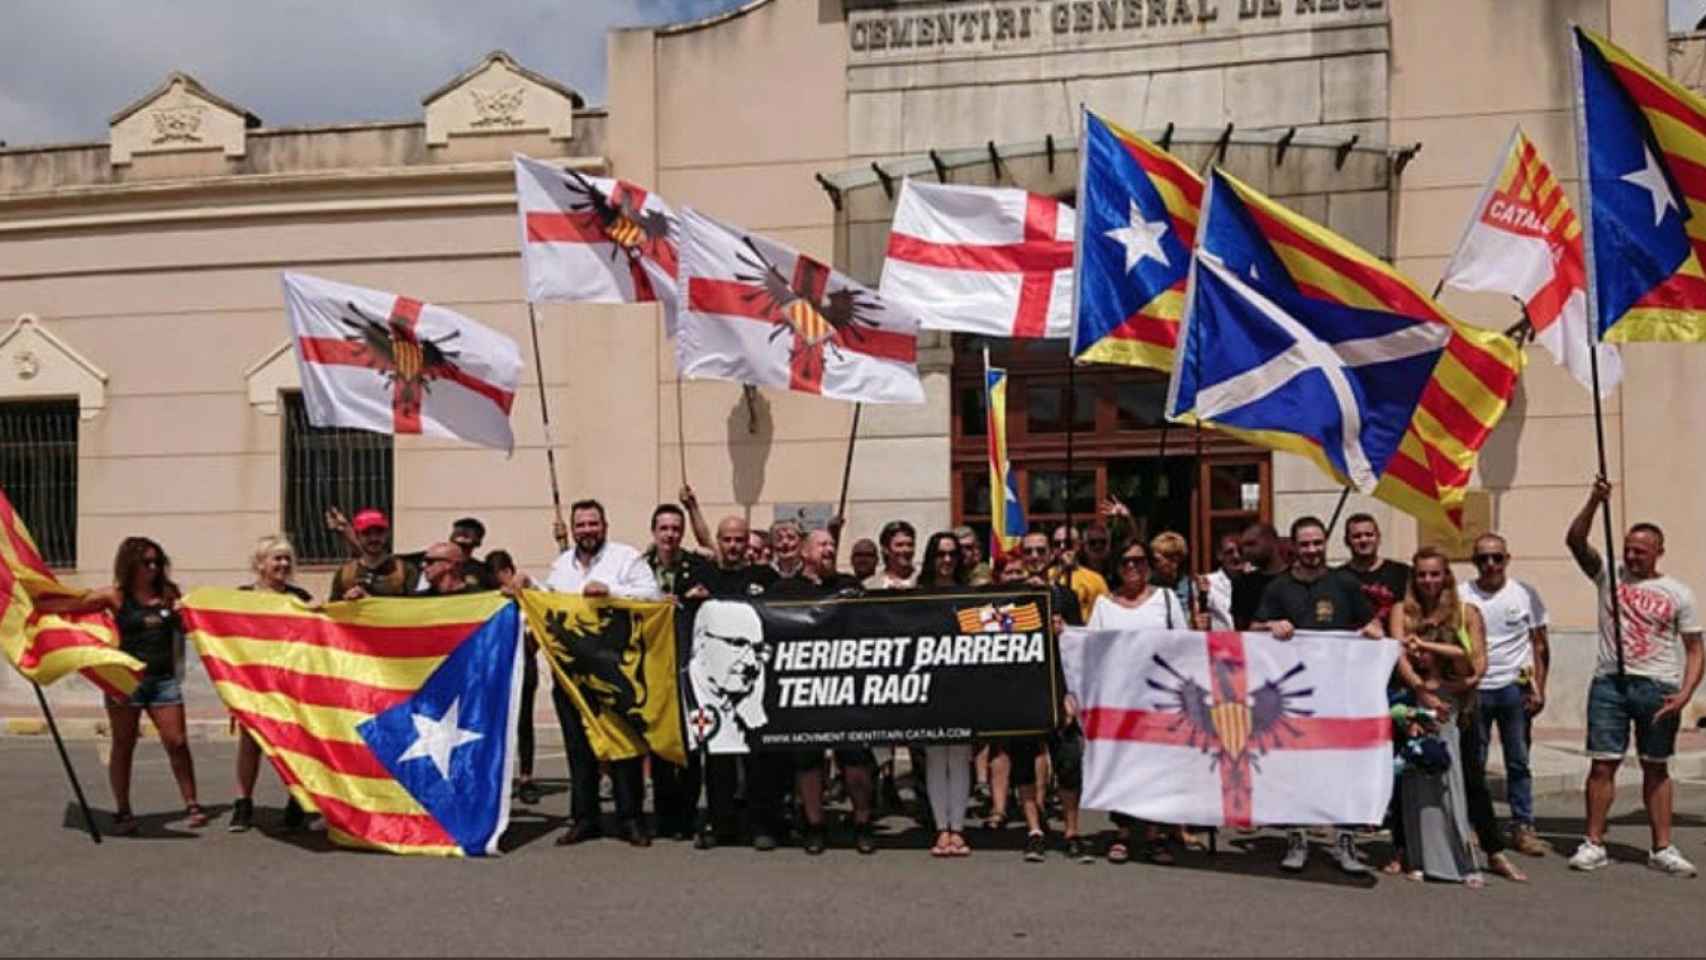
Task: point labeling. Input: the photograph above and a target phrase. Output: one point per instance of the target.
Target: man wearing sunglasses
(1086, 584)
(1516, 647)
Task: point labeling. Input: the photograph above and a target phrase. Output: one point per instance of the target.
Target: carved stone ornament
(27, 364)
(497, 108)
(177, 124)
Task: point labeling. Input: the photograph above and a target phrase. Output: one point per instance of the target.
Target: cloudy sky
(70, 64)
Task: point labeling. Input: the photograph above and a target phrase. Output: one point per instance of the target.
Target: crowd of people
(1474, 661)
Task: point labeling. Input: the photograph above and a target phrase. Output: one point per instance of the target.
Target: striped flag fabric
(1006, 513)
(392, 364)
(394, 718)
(762, 313)
(991, 261)
(1006, 618)
(594, 239)
(48, 647)
(1137, 223)
(1284, 255)
(1641, 142)
(1231, 729)
(1523, 239)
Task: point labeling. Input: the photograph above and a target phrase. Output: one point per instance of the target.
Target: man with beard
(1259, 545)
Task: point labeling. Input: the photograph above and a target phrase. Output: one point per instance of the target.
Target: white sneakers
(1592, 856)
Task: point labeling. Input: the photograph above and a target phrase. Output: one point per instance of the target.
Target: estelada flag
(758, 312)
(616, 660)
(393, 717)
(1642, 146)
(46, 647)
(1006, 513)
(391, 364)
(1523, 239)
(594, 239)
(992, 261)
(1137, 222)
(1266, 246)
(1230, 729)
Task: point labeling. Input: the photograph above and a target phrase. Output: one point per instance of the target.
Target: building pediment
(179, 116)
(499, 96)
(36, 365)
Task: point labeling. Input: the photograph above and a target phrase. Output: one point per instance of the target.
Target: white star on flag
(438, 739)
(1141, 238)
(1652, 179)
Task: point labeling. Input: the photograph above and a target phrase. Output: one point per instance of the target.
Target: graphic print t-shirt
(1656, 613)
(1384, 586)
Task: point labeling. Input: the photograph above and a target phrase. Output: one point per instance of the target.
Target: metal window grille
(38, 471)
(329, 467)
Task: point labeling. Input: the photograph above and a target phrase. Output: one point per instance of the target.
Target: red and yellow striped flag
(302, 682)
(46, 647)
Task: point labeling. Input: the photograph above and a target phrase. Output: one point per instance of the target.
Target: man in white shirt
(594, 567)
(1218, 585)
(1649, 667)
(1513, 690)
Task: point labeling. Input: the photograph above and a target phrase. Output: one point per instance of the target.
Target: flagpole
(65, 758)
(1332, 524)
(545, 422)
(847, 468)
(1071, 416)
(1605, 512)
(680, 428)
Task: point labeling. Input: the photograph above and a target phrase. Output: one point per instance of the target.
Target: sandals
(1118, 852)
(1159, 855)
(957, 846)
(944, 845)
(995, 821)
(1501, 864)
(1394, 868)
(197, 816)
(124, 824)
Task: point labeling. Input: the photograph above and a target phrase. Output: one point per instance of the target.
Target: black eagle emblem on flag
(409, 363)
(1233, 728)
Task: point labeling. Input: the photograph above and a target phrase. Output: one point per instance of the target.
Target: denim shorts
(158, 692)
(1613, 705)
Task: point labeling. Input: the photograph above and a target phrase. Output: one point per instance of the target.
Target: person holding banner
(375, 571)
(785, 541)
(1064, 749)
(898, 540)
(274, 562)
(1645, 684)
(947, 766)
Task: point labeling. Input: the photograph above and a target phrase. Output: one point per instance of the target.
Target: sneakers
(242, 816)
(1525, 841)
(1036, 848)
(763, 842)
(1078, 850)
(1670, 860)
(1345, 855)
(295, 818)
(815, 841)
(1592, 856)
(1296, 852)
(865, 839)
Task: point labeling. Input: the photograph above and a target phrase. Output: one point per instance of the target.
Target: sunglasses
(1096, 542)
(1483, 558)
(1134, 561)
(1036, 551)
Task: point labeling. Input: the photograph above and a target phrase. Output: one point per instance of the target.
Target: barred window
(329, 467)
(38, 471)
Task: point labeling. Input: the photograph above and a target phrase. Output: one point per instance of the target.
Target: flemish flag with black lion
(616, 660)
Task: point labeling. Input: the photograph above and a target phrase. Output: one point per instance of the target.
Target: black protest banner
(778, 674)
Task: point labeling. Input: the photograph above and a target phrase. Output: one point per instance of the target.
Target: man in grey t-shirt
(1661, 667)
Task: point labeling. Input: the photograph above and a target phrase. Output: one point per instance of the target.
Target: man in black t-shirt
(441, 568)
(1258, 545)
(733, 576)
(1309, 596)
(1384, 582)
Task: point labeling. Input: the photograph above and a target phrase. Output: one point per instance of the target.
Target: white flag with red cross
(758, 312)
(995, 261)
(1233, 729)
(391, 364)
(594, 239)
(1524, 240)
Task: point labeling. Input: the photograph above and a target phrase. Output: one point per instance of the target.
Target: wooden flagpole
(545, 421)
(1605, 511)
(65, 758)
(847, 468)
(681, 428)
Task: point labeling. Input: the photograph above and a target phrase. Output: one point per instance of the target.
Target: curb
(1685, 766)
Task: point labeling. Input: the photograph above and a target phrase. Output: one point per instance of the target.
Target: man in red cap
(375, 572)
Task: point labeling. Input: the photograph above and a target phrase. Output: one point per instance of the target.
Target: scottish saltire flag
(1329, 345)
(1523, 239)
(993, 261)
(1642, 144)
(1006, 514)
(1233, 729)
(1137, 223)
(393, 717)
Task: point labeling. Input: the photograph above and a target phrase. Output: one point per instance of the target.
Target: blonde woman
(274, 564)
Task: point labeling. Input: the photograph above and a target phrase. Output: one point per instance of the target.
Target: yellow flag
(616, 661)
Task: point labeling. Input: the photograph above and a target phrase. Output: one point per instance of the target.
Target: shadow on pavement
(149, 826)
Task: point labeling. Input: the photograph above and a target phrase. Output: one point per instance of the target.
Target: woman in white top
(1136, 604)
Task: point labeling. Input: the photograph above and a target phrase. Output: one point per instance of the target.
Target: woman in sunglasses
(947, 766)
(1136, 603)
(144, 603)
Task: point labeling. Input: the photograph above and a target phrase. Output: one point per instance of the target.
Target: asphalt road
(169, 891)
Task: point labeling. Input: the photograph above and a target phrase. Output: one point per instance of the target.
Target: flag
(616, 661)
(1005, 618)
(46, 647)
(391, 364)
(1308, 269)
(1642, 144)
(1523, 239)
(1236, 730)
(1006, 514)
(993, 261)
(1137, 223)
(758, 312)
(393, 717)
(593, 239)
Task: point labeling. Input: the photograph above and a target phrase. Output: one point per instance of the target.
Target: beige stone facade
(145, 269)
